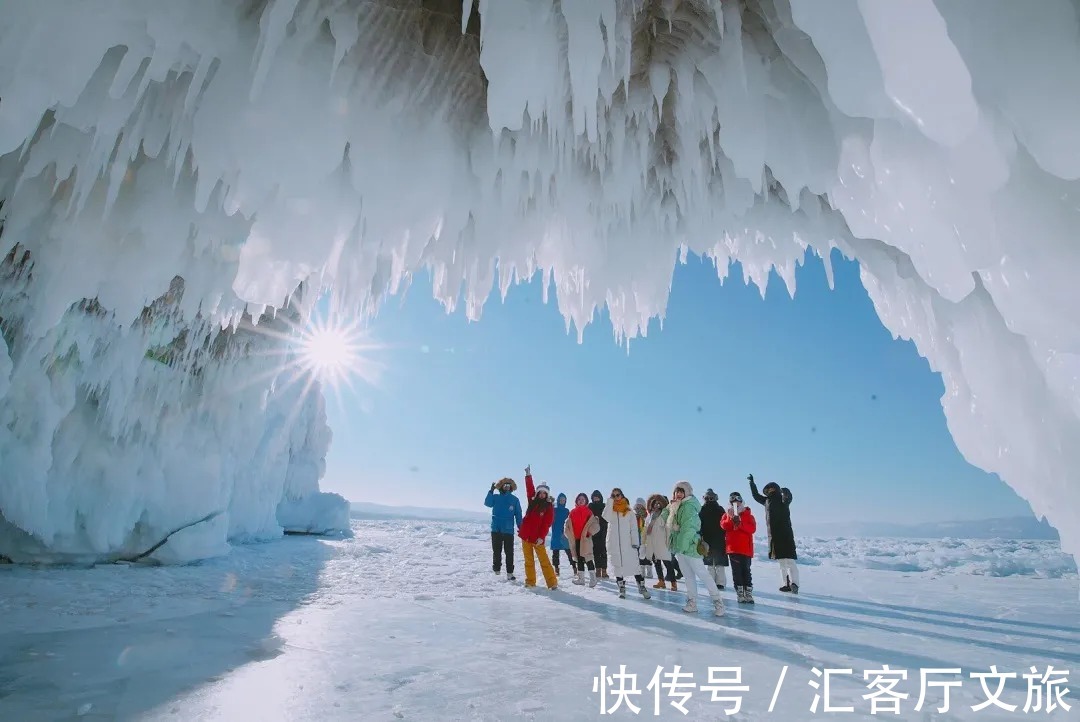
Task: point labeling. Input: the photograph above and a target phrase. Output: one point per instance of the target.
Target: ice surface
(406, 621)
(247, 148)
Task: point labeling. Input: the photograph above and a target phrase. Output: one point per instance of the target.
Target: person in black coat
(716, 561)
(777, 502)
(600, 540)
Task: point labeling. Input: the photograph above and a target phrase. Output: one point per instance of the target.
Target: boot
(718, 607)
(787, 584)
(579, 577)
(749, 595)
(659, 584)
(592, 578)
(674, 586)
(794, 588)
(648, 570)
(622, 589)
(556, 568)
(691, 606)
(644, 592)
(740, 594)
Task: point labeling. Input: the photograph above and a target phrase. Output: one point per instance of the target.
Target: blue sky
(812, 392)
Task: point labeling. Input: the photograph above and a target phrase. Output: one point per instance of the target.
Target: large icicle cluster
(248, 146)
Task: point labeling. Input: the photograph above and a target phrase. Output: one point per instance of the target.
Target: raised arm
(754, 490)
(530, 488)
(489, 500)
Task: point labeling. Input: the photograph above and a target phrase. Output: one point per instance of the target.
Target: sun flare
(335, 351)
(327, 351)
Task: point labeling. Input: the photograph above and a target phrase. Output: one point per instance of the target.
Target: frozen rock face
(248, 146)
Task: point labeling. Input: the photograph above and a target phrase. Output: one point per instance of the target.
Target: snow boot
(674, 586)
(718, 607)
(794, 588)
(510, 577)
(556, 568)
(691, 606)
(622, 589)
(749, 591)
(659, 584)
(786, 588)
(579, 577)
(740, 594)
(592, 579)
(644, 592)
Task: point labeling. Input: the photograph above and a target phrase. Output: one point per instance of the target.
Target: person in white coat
(657, 550)
(623, 543)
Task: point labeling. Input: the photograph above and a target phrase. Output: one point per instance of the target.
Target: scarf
(653, 518)
(622, 506)
(579, 517)
(673, 513)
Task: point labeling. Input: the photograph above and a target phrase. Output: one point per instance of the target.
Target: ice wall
(118, 437)
(249, 146)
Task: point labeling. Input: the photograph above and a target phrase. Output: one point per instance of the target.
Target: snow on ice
(406, 621)
(247, 148)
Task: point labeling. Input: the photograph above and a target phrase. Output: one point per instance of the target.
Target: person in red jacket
(740, 525)
(534, 529)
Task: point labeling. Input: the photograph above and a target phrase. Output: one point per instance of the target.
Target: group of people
(678, 537)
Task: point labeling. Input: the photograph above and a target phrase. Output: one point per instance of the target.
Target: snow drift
(247, 147)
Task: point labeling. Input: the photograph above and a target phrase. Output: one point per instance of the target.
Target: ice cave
(180, 180)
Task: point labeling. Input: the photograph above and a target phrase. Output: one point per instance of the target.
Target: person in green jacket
(684, 529)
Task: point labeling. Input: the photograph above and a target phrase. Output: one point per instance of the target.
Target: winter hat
(710, 493)
(685, 486)
(596, 494)
(735, 497)
(771, 485)
(582, 495)
(560, 499)
(511, 482)
(640, 502)
(544, 488)
(658, 498)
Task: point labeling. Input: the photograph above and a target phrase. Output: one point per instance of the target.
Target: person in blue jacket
(505, 521)
(558, 538)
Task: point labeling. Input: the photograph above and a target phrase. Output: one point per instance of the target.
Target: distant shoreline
(1015, 528)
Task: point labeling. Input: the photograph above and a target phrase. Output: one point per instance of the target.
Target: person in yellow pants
(534, 529)
(546, 569)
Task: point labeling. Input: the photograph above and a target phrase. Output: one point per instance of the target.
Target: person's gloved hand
(528, 470)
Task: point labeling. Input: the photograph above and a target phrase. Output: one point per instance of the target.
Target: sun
(334, 351)
(327, 352)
